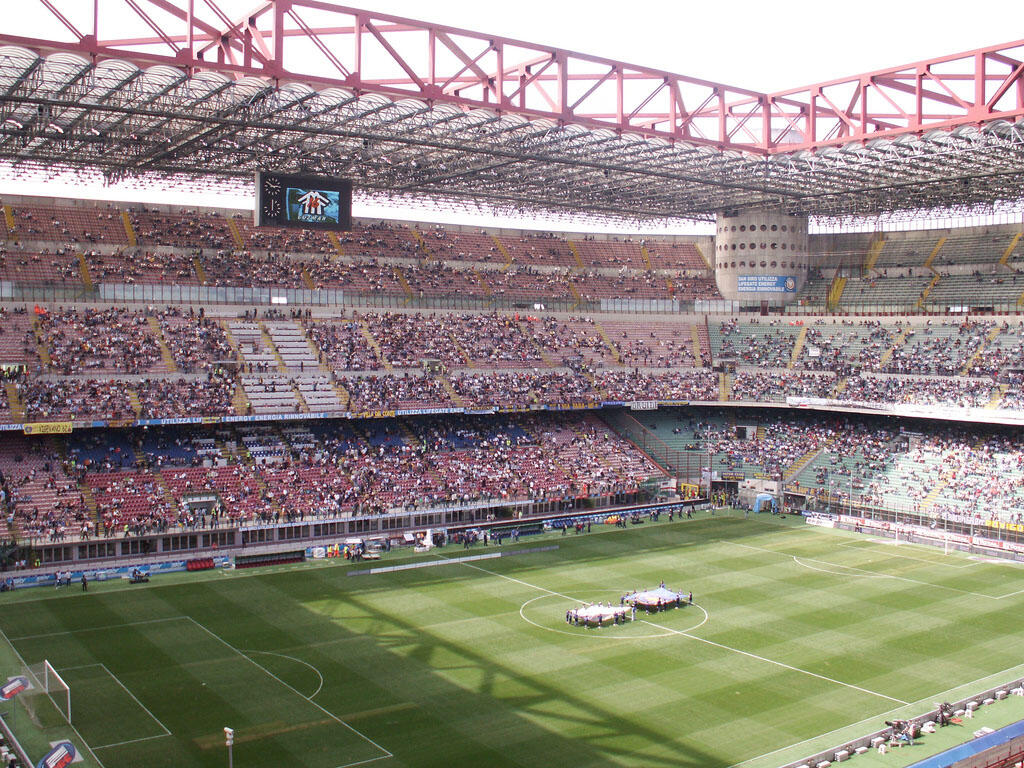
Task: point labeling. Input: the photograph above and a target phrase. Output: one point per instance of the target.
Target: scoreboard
(304, 202)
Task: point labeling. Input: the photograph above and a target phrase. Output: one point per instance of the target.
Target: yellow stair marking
(41, 349)
(165, 351)
(368, 335)
(313, 348)
(422, 243)
(400, 275)
(239, 400)
(724, 387)
(574, 291)
(536, 344)
(801, 463)
(576, 254)
(897, 343)
(940, 486)
(200, 272)
(133, 398)
(927, 290)
(935, 252)
(14, 401)
(874, 251)
(303, 405)
(343, 395)
(488, 291)
(760, 432)
(503, 251)
(835, 292)
(236, 234)
(307, 279)
(229, 456)
(165, 489)
(1009, 251)
(797, 466)
(232, 342)
(669, 285)
(608, 340)
(91, 505)
(459, 402)
(268, 342)
(997, 396)
(410, 436)
(801, 338)
(333, 237)
(647, 257)
(83, 268)
(695, 336)
(702, 256)
(840, 387)
(129, 229)
(9, 217)
(461, 350)
(272, 502)
(989, 338)
(593, 382)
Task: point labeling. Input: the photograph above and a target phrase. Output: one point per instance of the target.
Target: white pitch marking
(267, 672)
(597, 635)
(167, 731)
(874, 718)
(862, 571)
(298, 661)
(777, 663)
(96, 629)
(798, 561)
(702, 640)
(888, 543)
(133, 741)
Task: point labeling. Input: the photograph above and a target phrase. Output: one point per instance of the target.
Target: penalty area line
(385, 752)
(773, 661)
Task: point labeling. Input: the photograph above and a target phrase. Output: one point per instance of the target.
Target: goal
(58, 691)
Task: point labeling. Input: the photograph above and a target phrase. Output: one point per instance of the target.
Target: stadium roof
(414, 110)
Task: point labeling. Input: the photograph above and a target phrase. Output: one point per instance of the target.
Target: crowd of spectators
(751, 343)
(209, 395)
(776, 386)
(197, 343)
(947, 392)
(69, 399)
(332, 470)
(98, 340)
(941, 349)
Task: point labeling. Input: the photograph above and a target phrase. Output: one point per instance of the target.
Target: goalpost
(58, 691)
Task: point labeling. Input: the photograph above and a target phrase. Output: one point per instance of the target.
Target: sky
(763, 46)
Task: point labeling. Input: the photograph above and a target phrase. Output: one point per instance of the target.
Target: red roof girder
(324, 44)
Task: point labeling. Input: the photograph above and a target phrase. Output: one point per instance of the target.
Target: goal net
(58, 691)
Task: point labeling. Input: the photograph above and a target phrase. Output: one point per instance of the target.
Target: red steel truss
(323, 45)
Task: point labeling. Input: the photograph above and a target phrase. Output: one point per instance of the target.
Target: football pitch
(799, 637)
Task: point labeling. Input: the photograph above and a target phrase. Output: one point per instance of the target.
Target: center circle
(611, 633)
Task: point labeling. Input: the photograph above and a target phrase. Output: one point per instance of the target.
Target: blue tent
(766, 500)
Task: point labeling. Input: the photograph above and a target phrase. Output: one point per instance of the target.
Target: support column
(761, 255)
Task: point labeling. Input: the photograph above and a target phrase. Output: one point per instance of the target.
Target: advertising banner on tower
(765, 284)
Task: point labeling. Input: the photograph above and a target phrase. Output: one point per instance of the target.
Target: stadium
(295, 485)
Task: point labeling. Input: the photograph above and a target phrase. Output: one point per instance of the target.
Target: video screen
(312, 206)
(309, 202)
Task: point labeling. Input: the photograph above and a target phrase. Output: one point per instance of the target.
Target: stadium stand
(125, 363)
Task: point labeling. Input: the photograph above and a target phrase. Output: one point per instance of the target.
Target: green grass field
(797, 633)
